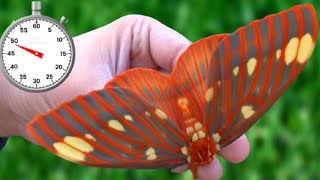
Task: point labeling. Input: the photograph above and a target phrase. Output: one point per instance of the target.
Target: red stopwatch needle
(36, 53)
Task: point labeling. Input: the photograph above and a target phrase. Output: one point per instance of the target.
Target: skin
(129, 42)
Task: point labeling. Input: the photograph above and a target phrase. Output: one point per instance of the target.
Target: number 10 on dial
(37, 53)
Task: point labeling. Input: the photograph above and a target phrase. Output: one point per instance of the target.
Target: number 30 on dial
(37, 54)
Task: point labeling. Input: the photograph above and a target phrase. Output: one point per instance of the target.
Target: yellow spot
(116, 125)
(198, 126)
(128, 117)
(184, 150)
(209, 94)
(219, 83)
(236, 71)
(278, 54)
(68, 152)
(78, 143)
(247, 111)
(147, 113)
(189, 159)
(251, 65)
(218, 147)
(190, 120)
(195, 137)
(183, 101)
(216, 137)
(291, 50)
(201, 134)
(306, 47)
(89, 136)
(161, 114)
(151, 154)
(189, 130)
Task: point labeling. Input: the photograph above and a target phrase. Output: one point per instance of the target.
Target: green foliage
(284, 142)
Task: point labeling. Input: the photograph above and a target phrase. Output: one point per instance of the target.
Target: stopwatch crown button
(36, 7)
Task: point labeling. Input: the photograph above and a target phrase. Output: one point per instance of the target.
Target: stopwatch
(37, 52)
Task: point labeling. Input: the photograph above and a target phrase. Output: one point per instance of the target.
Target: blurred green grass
(284, 142)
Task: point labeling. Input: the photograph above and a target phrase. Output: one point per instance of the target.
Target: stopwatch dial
(37, 54)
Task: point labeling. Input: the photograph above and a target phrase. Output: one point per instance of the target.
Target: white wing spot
(128, 117)
(219, 83)
(209, 94)
(189, 130)
(247, 111)
(151, 154)
(251, 65)
(306, 47)
(235, 71)
(216, 137)
(201, 134)
(160, 114)
(198, 126)
(115, 124)
(218, 147)
(278, 54)
(147, 113)
(68, 152)
(189, 159)
(183, 101)
(195, 137)
(78, 143)
(291, 50)
(184, 150)
(89, 136)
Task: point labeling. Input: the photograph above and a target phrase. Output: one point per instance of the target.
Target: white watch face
(37, 54)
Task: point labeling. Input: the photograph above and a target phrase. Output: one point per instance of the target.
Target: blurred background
(284, 142)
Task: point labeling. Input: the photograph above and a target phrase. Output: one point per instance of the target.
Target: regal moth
(218, 89)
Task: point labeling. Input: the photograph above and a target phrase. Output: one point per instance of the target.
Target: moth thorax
(202, 151)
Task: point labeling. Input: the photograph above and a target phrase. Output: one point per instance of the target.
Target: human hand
(132, 41)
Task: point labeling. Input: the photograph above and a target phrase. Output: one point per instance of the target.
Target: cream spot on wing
(89, 136)
(247, 111)
(291, 50)
(161, 114)
(306, 47)
(216, 137)
(189, 130)
(278, 54)
(201, 134)
(147, 113)
(184, 150)
(195, 137)
(68, 152)
(209, 94)
(128, 117)
(235, 71)
(219, 83)
(251, 65)
(198, 126)
(115, 124)
(218, 147)
(190, 120)
(151, 154)
(78, 143)
(189, 159)
(183, 101)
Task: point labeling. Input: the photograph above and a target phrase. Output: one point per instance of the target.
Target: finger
(211, 172)
(180, 169)
(236, 151)
(153, 44)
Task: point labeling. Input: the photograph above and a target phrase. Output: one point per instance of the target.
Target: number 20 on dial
(37, 52)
